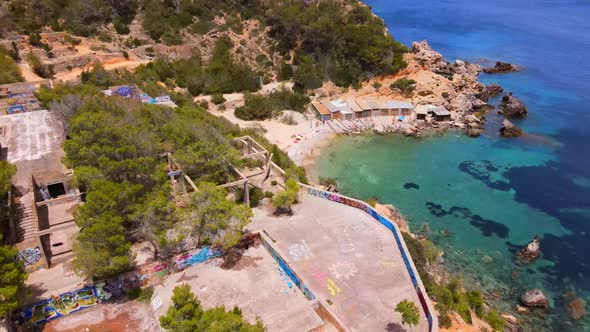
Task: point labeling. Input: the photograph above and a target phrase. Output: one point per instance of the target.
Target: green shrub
(377, 85)
(260, 107)
(274, 182)
(268, 194)
(217, 99)
(496, 321)
(372, 201)
(41, 69)
(445, 95)
(69, 39)
(404, 84)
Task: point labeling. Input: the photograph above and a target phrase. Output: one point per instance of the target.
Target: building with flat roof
(438, 113)
(350, 108)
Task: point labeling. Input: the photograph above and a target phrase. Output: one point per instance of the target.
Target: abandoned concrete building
(42, 200)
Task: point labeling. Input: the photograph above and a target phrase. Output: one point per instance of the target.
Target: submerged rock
(501, 67)
(531, 252)
(474, 132)
(577, 308)
(534, 298)
(509, 129)
(512, 107)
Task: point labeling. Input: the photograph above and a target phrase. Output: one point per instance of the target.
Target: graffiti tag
(30, 256)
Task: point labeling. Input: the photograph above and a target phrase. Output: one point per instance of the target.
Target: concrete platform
(346, 257)
(255, 285)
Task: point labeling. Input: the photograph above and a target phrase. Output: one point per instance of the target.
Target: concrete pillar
(246, 193)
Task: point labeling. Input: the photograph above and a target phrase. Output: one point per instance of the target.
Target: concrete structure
(350, 108)
(133, 92)
(437, 113)
(256, 284)
(19, 97)
(42, 225)
(345, 258)
(321, 111)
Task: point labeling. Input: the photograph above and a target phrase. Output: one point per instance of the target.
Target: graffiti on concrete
(333, 288)
(64, 304)
(344, 270)
(31, 257)
(385, 222)
(283, 265)
(183, 261)
(299, 251)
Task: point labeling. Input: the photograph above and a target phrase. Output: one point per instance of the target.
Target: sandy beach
(303, 152)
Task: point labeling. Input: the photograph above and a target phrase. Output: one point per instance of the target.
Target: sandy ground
(313, 132)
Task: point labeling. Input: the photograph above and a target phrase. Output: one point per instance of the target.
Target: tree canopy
(409, 312)
(187, 314)
(114, 147)
(214, 219)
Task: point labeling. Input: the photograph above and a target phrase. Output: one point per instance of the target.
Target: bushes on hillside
(9, 71)
(404, 84)
(41, 69)
(261, 107)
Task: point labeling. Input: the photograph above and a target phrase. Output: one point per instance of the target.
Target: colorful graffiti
(183, 261)
(283, 265)
(333, 288)
(64, 304)
(398, 239)
(31, 257)
(152, 273)
(15, 109)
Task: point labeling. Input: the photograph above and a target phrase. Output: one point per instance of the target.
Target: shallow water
(491, 194)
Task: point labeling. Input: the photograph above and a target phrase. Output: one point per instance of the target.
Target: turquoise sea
(489, 196)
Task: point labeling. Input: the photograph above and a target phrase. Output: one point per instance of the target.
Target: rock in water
(534, 298)
(491, 90)
(512, 107)
(531, 252)
(509, 129)
(577, 308)
(501, 67)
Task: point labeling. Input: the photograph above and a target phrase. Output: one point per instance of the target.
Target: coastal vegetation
(114, 147)
(187, 314)
(318, 40)
(283, 200)
(450, 296)
(261, 107)
(409, 312)
(405, 85)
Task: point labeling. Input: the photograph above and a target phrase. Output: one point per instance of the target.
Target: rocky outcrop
(534, 298)
(491, 90)
(577, 308)
(509, 129)
(531, 252)
(512, 107)
(501, 67)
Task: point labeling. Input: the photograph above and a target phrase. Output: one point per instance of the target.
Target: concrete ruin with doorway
(42, 200)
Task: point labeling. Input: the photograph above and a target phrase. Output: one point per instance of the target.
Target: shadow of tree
(394, 327)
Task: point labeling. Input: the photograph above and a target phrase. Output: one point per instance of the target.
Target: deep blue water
(488, 196)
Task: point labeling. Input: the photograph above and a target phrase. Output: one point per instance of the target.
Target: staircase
(25, 222)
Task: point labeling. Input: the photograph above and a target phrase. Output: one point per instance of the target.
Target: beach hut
(398, 107)
(438, 113)
(321, 111)
(421, 112)
(358, 111)
(364, 106)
